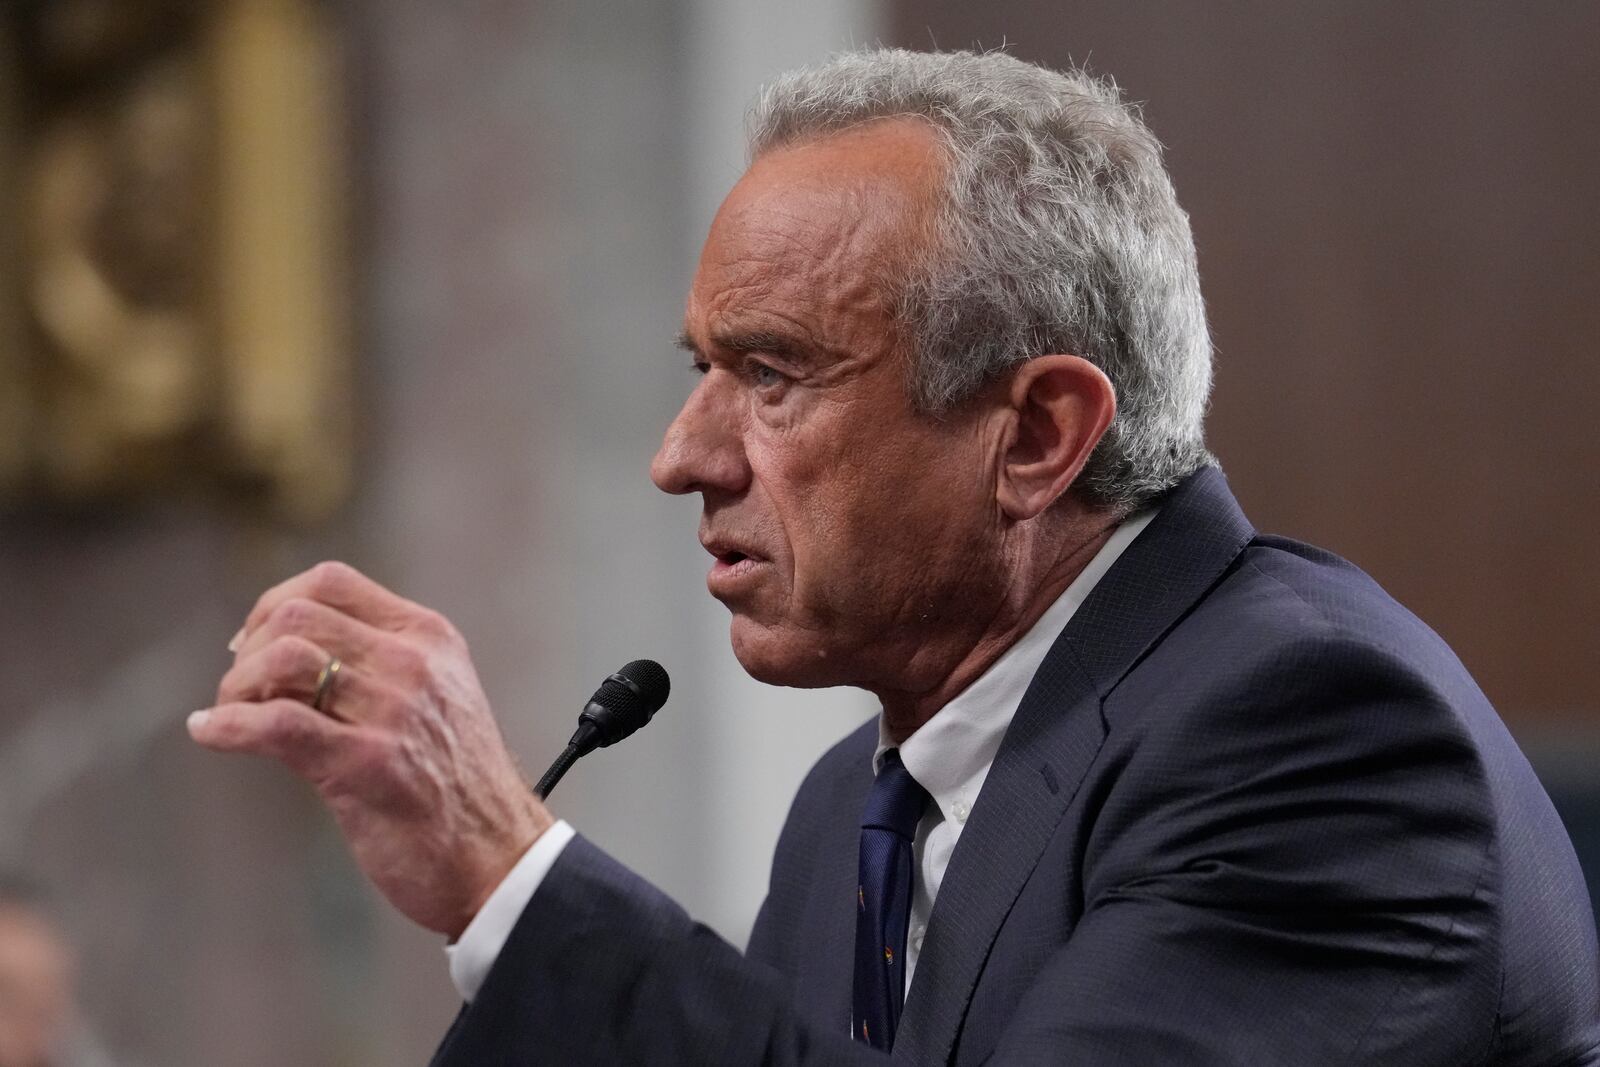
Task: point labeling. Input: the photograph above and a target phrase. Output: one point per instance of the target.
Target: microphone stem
(560, 767)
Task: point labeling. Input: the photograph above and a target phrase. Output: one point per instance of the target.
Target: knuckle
(395, 704)
(382, 752)
(287, 655)
(237, 684)
(407, 665)
(433, 624)
(329, 576)
(228, 687)
(292, 615)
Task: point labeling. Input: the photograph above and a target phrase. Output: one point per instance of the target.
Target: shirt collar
(950, 754)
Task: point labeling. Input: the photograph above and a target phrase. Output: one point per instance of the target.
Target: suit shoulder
(840, 774)
(1290, 597)
(1328, 586)
(849, 758)
(1298, 694)
(849, 752)
(1296, 656)
(1295, 642)
(842, 771)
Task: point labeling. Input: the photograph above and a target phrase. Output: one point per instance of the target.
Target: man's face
(844, 524)
(35, 988)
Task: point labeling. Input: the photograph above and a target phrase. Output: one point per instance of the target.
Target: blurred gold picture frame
(174, 314)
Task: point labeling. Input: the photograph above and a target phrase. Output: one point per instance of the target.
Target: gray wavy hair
(1059, 232)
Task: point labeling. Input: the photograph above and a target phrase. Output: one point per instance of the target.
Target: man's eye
(700, 367)
(764, 376)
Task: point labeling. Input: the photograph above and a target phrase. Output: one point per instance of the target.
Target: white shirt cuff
(480, 943)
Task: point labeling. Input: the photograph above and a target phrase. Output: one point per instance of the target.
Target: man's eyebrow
(749, 341)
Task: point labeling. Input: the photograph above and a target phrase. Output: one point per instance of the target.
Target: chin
(778, 656)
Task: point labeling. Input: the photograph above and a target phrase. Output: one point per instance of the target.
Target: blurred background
(396, 282)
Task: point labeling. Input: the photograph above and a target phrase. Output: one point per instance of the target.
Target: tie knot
(896, 801)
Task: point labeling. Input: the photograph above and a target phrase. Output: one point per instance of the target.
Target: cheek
(817, 501)
(862, 521)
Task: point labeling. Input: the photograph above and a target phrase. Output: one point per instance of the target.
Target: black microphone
(623, 703)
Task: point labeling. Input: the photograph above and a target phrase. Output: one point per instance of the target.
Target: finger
(287, 667)
(340, 586)
(336, 633)
(291, 668)
(307, 742)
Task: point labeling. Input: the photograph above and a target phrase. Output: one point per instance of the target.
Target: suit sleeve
(603, 968)
(1300, 871)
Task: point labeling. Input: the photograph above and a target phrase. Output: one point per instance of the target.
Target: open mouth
(730, 564)
(732, 567)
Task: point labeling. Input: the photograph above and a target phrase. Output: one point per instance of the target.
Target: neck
(965, 657)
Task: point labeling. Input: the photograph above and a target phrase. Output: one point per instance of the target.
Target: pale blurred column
(760, 740)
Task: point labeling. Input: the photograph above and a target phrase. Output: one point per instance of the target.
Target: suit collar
(1199, 531)
(1053, 740)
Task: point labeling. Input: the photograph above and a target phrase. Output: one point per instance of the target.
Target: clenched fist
(405, 751)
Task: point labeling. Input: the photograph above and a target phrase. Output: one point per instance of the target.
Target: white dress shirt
(949, 756)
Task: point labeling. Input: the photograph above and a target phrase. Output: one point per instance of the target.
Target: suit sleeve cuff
(480, 943)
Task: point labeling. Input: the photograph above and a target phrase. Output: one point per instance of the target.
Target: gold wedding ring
(325, 681)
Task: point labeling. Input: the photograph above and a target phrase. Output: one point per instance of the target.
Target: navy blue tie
(883, 901)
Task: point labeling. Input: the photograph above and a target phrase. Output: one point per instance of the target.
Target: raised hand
(401, 746)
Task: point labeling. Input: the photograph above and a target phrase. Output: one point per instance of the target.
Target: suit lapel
(1053, 740)
(1013, 819)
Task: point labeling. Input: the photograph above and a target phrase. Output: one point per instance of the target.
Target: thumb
(285, 730)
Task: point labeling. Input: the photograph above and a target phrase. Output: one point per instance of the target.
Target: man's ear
(1060, 406)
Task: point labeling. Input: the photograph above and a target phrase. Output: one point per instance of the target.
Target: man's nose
(703, 449)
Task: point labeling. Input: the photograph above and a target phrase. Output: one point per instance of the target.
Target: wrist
(511, 843)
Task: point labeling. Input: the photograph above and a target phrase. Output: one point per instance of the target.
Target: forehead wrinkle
(807, 276)
(815, 236)
(860, 225)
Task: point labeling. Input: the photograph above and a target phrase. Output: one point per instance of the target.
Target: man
(36, 981)
(1147, 786)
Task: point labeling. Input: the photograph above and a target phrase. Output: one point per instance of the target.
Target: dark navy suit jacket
(1250, 811)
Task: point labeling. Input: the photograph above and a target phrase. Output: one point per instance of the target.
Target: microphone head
(627, 700)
